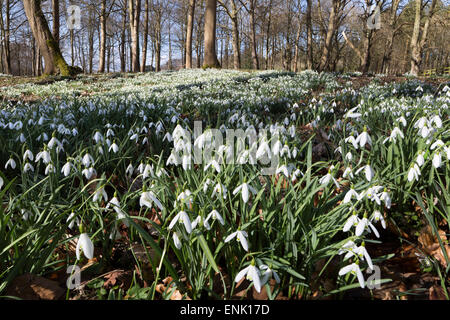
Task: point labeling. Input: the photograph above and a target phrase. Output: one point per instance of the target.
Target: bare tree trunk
(134, 10)
(255, 60)
(169, 62)
(269, 21)
(190, 29)
(54, 61)
(91, 31)
(236, 44)
(309, 56)
(5, 26)
(145, 44)
(329, 36)
(123, 64)
(101, 63)
(210, 35)
(389, 46)
(416, 44)
(55, 8)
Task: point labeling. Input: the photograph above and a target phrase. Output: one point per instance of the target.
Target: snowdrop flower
(186, 162)
(285, 150)
(198, 221)
(141, 168)
(252, 274)
(1, 182)
(351, 114)
(352, 140)
(10, 163)
(148, 171)
(206, 185)
(183, 217)
(99, 194)
(220, 189)
(28, 154)
(437, 159)
(328, 177)
(115, 204)
(354, 269)
(213, 163)
(241, 236)
(268, 273)
(393, 137)
(147, 198)
(352, 221)
(87, 160)
(276, 148)
(364, 255)
(283, 169)
(364, 224)
(420, 159)
(109, 133)
(296, 174)
(129, 171)
(28, 167)
(368, 172)
(53, 141)
(414, 172)
(50, 169)
(66, 168)
(348, 156)
(214, 214)
(377, 216)
(114, 147)
(84, 243)
(294, 152)
(350, 193)
(185, 197)
(348, 172)
(176, 240)
(97, 137)
(245, 188)
(44, 155)
(437, 121)
(89, 172)
(386, 198)
(363, 138)
(135, 137)
(402, 120)
(173, 159)
(437, 144)
(349, 248)
(73, 219)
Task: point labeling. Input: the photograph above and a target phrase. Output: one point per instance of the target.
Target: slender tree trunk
(54, 61)
(329, 36)
(190, 29)
(134, 10)
(6, 25)
(417, 45)
(269, 21)
(55, 8)
(297, 40)
(309, 56)
(389, 46)
(101, 63)
(236, 43)
(255, 60)
(145, 43)
(210, 34)
(169, 62)
(123, 63)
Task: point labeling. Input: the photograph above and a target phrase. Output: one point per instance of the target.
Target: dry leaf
(32, 287)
